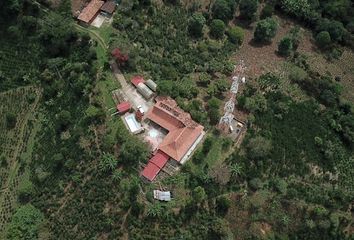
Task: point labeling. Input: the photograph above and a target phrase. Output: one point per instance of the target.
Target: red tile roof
(90, 11)
(150, 171)
(136, 80)
(123, 107)
(159, 159)
(183, 131)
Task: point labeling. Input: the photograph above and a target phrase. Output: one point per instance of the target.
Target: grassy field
(16, 145)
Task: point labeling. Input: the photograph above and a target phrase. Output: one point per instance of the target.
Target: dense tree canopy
(224, 9)
(248, 9)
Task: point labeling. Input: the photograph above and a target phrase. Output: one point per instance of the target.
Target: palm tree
(108, 162)
(236, 169)
(117, 175)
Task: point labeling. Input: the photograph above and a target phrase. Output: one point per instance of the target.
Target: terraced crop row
(22, 102)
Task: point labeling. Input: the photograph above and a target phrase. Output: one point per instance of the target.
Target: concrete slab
(99, 20)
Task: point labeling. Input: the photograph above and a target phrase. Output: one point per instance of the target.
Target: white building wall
(192, 148)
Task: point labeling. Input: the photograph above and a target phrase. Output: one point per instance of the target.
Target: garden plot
(14, 151)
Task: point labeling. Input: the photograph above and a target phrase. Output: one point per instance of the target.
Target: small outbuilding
(136, 80)
(150, 171)
(108, 8)
(162, 196)
(124, 107)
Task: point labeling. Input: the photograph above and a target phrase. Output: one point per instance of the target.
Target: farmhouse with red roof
(89, 13)
(183, 135)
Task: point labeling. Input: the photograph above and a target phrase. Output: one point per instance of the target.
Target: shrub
(223, 203)
(297, 74)
(213, 110)
(25, 223)
(26, 190)
(196, 24)
(198, 194)
(256, 184)
(265, 30)
(323, 39)
(236, 35)
(334, 28)
(350, 26)
(267, 11)
(285, 46)
(11, 120)
(217, 28)
(107, 162)
(248, 9)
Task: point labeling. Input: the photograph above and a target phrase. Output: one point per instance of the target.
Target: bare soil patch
(263, 58)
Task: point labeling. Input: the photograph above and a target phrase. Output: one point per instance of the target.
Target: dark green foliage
(248, 9)
(339, 9)
(219, 87)
(223, 204)
(328, 16)
(10, 120)
(131, 153)
(285, 46)
(256, 184)
(196, 24)
(224, 9)
(256, 103)
(236, 35)
(95, 114)
(267, 11)
(56, 32)
(350, 26)
(214, 110)
(10, 8)
(334, 28)
(323, 39)
(198, 194)
(265, 30)
(108, 162)
(259, 148)
(26, 191)
(217, 28)
(25, 223)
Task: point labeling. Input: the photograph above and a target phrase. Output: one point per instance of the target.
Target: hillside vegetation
(69, 170)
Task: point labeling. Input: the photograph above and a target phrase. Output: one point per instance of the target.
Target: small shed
(108, 8)
(160, 159)
(150, 171)
(162, 196)
(124, 107)
(151, 84)
(136, 80)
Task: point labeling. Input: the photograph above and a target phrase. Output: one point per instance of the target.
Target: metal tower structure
(238, 76)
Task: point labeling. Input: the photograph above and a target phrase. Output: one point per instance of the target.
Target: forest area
(69, 170)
